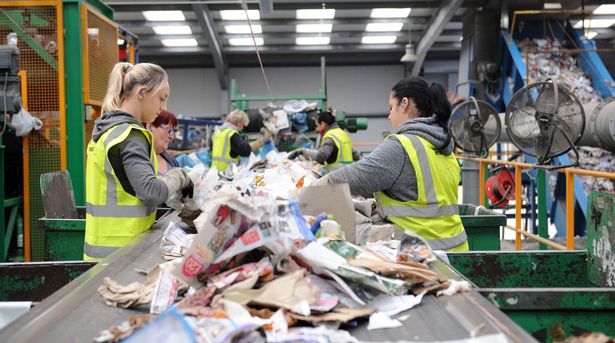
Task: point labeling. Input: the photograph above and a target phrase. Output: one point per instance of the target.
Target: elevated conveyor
(76, 313)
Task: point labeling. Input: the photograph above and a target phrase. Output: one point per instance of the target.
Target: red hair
(165, 118)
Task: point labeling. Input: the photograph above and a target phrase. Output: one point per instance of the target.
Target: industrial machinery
(545, 120)
(293, 137)
(10, 104)
(475, 126)
(66, 102)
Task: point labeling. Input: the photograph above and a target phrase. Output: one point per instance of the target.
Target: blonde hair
(125, 77)
(238, 116)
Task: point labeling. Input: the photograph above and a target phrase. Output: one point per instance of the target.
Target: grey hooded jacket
(130, 160)
(388, 167)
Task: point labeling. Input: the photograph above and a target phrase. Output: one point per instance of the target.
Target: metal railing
(570, 203)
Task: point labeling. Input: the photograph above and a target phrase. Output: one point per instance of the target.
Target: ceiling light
(312, 40)
(596, 23)
(242, 28)
(605, 9)
(384, 27)
(172, 30)
(316, 14)
(409, 56)
(378, 39)
(120, 41)
(390, 13)
(164, 15)
(552, 6)
(179, 42)
(314, 27)
(591, 34)
(245, 41)
(239, 15)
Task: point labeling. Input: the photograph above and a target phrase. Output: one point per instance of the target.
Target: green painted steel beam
(3, 233)
(29, 40)
(573, 298)
(543, 229)
(12, 202)
(523, 268)
(75, 107)
(37, 280)
(62, 224)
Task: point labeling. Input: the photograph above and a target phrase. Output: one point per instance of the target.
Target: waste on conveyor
(253, 266)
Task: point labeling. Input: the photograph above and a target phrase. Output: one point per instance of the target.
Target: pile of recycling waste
(267, 258)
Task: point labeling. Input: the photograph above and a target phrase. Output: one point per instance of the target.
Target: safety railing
(570, 202)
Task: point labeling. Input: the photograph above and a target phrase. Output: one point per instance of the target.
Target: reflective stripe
(111, 207)
(430, 191)
(94, 251)
(449, 242)
(227, 141)
(428, 211)
(222, 159)
(118, 211)
(339, 146)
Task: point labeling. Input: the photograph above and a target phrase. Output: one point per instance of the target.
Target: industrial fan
(475, 126)
(545, 120)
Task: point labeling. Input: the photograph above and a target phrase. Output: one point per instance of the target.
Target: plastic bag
(413, 248)
(23, 122)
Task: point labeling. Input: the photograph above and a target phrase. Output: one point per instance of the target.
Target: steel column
(434, 28)
(209, 30)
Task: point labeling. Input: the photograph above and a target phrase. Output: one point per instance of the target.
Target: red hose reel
(500, 187)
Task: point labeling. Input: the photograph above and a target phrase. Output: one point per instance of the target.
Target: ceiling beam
(434, 29)
(209, 31)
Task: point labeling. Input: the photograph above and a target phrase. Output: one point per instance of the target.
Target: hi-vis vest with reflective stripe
(113, 217)
(221, 148)
(343, 144)
(434, 214)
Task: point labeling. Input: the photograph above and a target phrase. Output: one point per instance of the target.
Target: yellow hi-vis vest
(113, 217)
(343, 144)
(434, 214)
(221, 148)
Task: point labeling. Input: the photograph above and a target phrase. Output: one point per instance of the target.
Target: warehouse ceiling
(348, 32)
(342, 36)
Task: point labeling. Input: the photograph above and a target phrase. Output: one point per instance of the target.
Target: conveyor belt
(76, 313)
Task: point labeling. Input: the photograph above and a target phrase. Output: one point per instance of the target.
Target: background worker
(335, 145)
(228, 145)
(122, 187)
(163, 128)
(413, 174)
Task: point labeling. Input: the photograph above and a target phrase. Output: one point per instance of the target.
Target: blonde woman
(122, 186)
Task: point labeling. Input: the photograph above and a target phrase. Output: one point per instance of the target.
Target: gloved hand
(296, 153)
(258, 143)
(266, 133)
(175, 179)
(189, 211)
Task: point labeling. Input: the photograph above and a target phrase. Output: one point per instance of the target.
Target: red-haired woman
(164, 128)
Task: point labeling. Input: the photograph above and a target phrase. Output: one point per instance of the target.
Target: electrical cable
(244, 6)
(6, 79)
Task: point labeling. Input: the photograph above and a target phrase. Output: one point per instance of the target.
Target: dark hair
(164, 118)
(429, 99)
(325, 117)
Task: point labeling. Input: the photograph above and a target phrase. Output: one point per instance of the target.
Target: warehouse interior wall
(357, 90)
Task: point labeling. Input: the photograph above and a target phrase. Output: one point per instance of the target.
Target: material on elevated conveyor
(76, 313)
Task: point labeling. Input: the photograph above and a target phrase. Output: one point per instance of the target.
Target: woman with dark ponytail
(413, 174)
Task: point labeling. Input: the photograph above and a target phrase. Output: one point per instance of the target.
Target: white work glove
(176, 179)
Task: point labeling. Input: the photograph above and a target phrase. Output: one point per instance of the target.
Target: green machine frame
(240, 101)
(75, 105)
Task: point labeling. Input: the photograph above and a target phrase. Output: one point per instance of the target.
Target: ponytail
(125, 77)
(429, 99)
(113, 98)
(441, 105)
